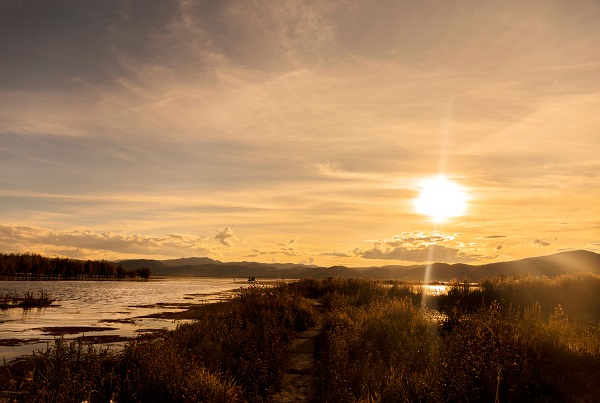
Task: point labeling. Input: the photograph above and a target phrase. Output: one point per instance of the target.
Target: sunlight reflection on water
(97, 304)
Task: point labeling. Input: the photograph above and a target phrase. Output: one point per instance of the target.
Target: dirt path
(299, 380)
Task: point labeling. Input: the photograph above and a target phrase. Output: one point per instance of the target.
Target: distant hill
(154, 265)
(553, 265)
(550, 266)
(189, 261)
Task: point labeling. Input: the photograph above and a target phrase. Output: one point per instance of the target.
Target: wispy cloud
(539, 242)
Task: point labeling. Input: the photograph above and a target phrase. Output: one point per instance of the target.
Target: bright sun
(441, 199)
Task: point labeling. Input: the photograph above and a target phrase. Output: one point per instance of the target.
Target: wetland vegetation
(510, 339)
(27, 301)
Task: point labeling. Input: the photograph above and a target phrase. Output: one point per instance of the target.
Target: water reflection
(107, 308)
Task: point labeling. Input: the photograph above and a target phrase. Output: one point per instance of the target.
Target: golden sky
(298, 131)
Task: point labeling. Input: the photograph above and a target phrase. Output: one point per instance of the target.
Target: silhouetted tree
(34, 266)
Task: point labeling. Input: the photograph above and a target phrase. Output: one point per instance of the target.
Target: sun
(441, 199)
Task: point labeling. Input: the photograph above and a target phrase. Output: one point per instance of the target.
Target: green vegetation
(29, 266)
(527, 339)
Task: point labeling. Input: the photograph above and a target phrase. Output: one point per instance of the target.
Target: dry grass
(527, 339)
(234, 351)
(389, 350)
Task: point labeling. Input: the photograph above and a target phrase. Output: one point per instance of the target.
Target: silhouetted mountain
(153, 265)
(550, 266)
(433, 272)
(553, 265)
(189, 261)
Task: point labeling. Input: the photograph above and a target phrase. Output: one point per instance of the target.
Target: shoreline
(112, 321)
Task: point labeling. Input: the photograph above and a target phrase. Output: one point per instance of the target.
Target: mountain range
(550, 266)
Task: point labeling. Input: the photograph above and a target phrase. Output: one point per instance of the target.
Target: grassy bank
(529, 339)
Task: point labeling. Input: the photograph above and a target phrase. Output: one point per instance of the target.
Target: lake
(106, 310)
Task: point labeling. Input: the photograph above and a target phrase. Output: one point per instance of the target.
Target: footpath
(299, 383)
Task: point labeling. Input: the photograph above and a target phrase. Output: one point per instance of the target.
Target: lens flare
(441, 199)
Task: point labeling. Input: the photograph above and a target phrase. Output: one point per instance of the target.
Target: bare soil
(299, 384)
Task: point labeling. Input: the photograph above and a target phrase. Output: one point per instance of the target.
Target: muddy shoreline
(187, 311)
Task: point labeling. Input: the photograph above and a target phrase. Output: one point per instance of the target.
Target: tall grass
(234, 351)
(577, 294)
(379, 351)
(526, 339)
(248, 339)
(390, 350)
(65, 372)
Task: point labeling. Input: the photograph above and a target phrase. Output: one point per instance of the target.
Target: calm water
(97, 304)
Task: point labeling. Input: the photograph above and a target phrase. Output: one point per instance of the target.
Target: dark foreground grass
(393, 350)
(234, 351)
(509, 340)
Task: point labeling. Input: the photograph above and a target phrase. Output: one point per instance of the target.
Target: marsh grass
(577, 294)
(234, 351)
(247, 340)
(487, 349)
(29, 300)
(527, 339)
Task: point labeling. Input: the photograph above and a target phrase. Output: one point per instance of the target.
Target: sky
(298, 131)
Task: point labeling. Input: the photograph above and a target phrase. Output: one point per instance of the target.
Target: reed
(391, 350)
(234, 351)
(29, 300)
(379, 343)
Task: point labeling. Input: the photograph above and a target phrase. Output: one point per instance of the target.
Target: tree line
(30, 266)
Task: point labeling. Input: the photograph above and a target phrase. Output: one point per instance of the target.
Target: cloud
(75, 243)
(336, 253)
(226, 237)
(309, 261)
(431, 253)
(286, 249)
(417, 238)
(539, 242)
(494, 236)
(289, 245)
(417, 247)
(257, 253)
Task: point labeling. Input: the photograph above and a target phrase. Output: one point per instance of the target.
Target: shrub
(380, 351)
